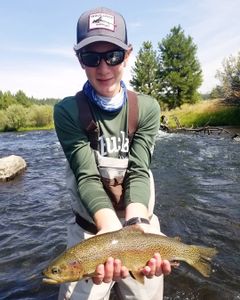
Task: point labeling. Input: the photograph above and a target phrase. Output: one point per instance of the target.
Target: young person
(110, 183)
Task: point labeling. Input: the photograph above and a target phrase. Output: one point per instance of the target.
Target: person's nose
(103, 66)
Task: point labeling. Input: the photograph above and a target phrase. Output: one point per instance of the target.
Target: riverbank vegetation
(19, 112)
(215, 112)
(172, 75)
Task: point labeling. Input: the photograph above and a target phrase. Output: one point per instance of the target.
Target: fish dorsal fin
(137, 276)
(134, 227)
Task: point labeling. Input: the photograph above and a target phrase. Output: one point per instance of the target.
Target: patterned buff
(108, 104)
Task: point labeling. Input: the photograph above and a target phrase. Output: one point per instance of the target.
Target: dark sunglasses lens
(90, 59)
(114, 58)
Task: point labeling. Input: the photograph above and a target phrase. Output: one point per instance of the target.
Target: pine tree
(145, 71)
(179, 69)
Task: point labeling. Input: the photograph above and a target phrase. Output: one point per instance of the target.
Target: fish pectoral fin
(137, 276)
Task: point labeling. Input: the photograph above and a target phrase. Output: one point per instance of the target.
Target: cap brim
(100, 38)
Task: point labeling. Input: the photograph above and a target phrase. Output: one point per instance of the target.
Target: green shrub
(3, 120)
(16, 117)
(39, 116)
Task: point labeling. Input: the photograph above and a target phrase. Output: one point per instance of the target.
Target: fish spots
(74, 264)
(74, 269)
(133, 247)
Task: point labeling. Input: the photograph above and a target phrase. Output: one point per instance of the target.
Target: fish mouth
(50, 281)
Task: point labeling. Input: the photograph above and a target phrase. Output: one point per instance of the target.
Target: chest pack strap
(87, 118)
(132, 114)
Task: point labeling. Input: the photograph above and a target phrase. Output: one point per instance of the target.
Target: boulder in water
(11, 166)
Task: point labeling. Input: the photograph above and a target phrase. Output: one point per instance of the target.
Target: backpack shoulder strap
(132, 114)
(86, 117)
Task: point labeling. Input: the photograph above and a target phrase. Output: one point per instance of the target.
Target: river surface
(198, 199)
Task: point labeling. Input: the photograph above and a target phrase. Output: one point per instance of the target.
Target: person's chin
(106, 90)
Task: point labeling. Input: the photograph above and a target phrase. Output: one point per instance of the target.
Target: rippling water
(198, 193)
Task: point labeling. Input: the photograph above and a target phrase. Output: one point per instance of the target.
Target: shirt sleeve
(80, 156)
(137, 181)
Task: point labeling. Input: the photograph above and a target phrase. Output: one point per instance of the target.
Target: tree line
(19, 111)
(172, 74)
(7, 99)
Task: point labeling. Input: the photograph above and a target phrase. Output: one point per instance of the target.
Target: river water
(198, 199)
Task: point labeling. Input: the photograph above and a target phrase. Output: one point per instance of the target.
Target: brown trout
(132, 246)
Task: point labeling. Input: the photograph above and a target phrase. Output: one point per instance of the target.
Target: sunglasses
(93, 59)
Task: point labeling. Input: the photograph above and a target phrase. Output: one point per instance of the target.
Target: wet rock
(236, 137)
(11, 166)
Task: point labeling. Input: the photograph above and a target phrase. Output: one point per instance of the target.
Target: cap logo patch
(101, 20)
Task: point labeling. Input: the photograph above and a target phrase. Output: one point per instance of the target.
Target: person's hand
(156, 267)
(106, 221)
(112, 270)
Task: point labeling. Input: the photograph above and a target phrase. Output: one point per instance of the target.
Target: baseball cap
(101, 25)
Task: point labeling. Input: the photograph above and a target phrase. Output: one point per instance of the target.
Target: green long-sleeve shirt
(80, 156)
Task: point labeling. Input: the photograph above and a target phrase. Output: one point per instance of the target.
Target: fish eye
(56, 270)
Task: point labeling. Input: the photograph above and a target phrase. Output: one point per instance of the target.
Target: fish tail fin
(202, 258)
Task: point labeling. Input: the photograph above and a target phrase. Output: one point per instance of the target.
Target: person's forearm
(106, 220)
(136, 210)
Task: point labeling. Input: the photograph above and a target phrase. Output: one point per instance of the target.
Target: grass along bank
(216, 112)
(48, 127)
(205, 113)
